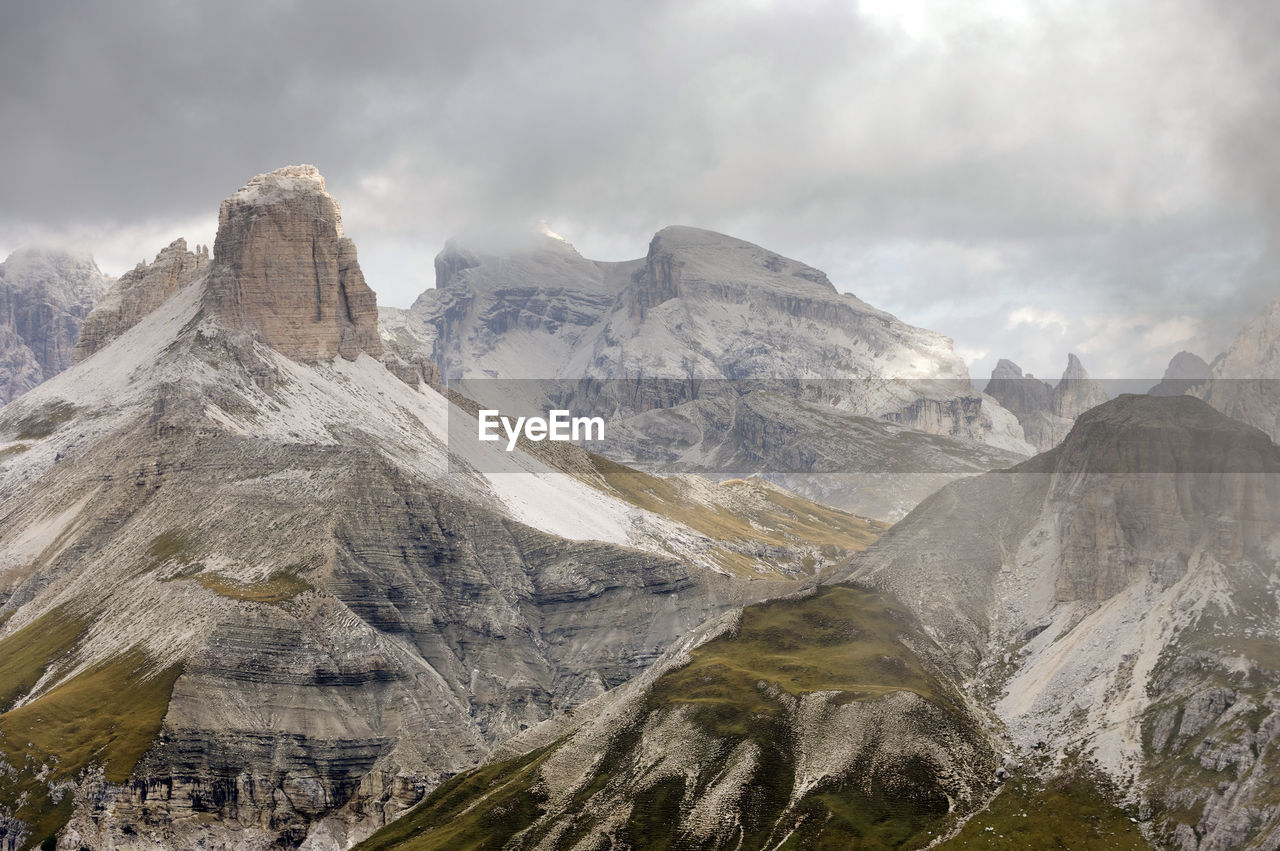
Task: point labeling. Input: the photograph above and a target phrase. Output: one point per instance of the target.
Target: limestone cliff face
(1046, 414)
(45, 295)
(1117, 594)
(283, 270)
(700, 317)
(1246, 379)
(138, 292)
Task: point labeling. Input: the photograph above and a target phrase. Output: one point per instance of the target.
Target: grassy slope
(107, 716)
(1071, 811)
(841, 639)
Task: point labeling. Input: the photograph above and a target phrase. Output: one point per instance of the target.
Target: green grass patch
(786, 519)
(29, 652)
(107, 716)
(1074, 810)
(45, 421)
(841, 639)
(275, 589)
(480, 809)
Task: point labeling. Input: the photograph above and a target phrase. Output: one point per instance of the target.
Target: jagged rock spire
(283, 270)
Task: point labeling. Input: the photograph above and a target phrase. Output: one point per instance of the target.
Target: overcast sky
(1029, 178)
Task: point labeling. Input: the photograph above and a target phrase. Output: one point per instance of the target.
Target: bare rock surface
(659, 344)
(1246, 378)
(237, 498)
(283, 270)
(45, 296)
(1117, 594)
(138, 292)
(1046, 413)
(1186, 371)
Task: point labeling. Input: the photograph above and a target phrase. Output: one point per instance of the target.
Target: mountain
(1245, 378)
(1082, 651)
(253, 595)
(1046, 414)
(675, 342)
(1185, 372)
(1114, 597)
(816, 721)
(45, 295)
(138, 292)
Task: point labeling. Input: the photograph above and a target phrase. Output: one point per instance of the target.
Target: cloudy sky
(1029, 178)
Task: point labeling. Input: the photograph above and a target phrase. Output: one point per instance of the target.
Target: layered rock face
(1116, 594)
(283, 270)
(138, 292)
(1246, 378)
(815, 722)
(1046, 414)
(661, 343)
(45, 295)
(255, 598)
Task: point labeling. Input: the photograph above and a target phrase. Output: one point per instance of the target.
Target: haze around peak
(1029, 179)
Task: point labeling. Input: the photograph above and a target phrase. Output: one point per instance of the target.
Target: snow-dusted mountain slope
(252, 593)
(1117, 598)
(704, 310)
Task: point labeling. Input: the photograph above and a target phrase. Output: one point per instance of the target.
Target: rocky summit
(252, 596)
(45, 296)
(283, 271)
(670, 346)
(1046, 413)
(1245, 383)
(1116, 597)
(138, 292)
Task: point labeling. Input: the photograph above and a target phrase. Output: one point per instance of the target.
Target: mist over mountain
(45, 295)
(263, 586)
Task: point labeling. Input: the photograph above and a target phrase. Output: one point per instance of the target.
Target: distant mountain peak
(45, 294)
(283, 270)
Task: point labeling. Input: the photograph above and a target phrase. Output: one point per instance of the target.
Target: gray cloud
(1108, 163)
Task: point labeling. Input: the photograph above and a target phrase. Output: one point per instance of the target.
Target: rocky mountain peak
(1185, 371)
(1046, 413)
(283, 270)
(138, 292)
(680, 255)
(1076, 392)
(1006, 369)
(45, 295)
(1191, 435)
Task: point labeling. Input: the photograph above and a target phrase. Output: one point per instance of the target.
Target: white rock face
(1098, 595)
(701, 316)
(1246, 378)
(45, 295)
(357, 609)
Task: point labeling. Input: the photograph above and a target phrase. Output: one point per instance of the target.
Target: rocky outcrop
(283, 271)
(45, 296)
(723, 744)
(702, 315)
(1186, 372)
(1110, 595)
(1046, 414)
(138, 292)
(287, 603)
(1246, 378)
